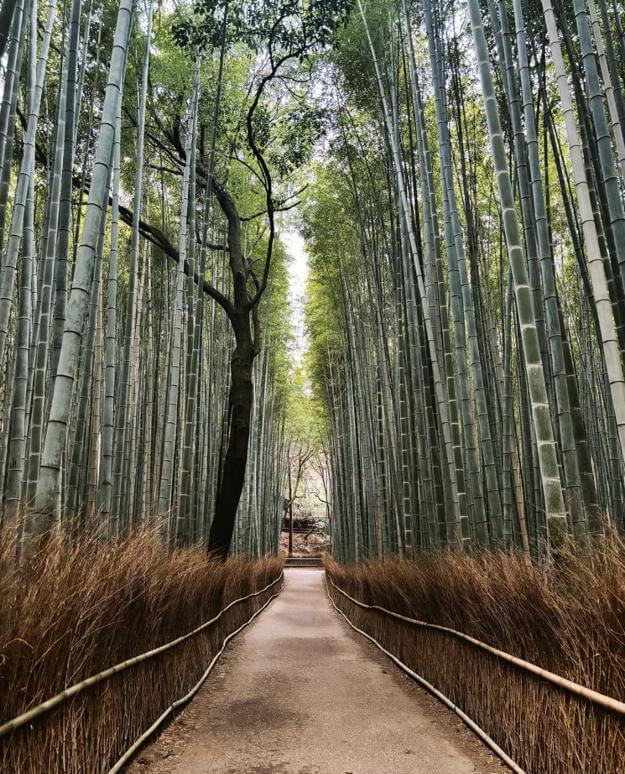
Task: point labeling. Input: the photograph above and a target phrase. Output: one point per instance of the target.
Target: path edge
(183, 700)
(469, 722)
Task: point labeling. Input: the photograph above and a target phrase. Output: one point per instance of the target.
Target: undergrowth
(75, 608)
(567, 617)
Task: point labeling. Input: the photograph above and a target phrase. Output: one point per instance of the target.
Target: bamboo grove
(466, 220)
(467, 301)
(141, 281)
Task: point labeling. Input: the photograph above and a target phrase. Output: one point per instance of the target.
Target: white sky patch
(298, 275)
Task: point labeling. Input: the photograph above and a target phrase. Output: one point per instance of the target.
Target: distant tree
(282, 33)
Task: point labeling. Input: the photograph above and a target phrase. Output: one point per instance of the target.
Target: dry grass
(76, 609)
(568, 617)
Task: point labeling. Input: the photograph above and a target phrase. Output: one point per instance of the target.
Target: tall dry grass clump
(567, 617)
(76, 608)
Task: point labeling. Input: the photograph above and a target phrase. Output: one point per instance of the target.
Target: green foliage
(274, 310)
(285, 27)
(298, 130)
(301, 419)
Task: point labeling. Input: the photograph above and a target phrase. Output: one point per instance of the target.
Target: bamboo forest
(312, 339)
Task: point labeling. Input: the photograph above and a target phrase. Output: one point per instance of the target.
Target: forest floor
(300, 693)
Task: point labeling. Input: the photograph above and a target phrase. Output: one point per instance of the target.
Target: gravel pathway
(299, 693)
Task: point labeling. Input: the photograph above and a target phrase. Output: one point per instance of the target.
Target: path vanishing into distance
(300, 693)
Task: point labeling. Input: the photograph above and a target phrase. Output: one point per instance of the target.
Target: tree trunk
(290, 510)
(239, 411)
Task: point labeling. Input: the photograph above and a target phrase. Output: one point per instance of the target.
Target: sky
(298, 274)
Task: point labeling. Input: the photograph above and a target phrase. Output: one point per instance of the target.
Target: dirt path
(300, 693)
